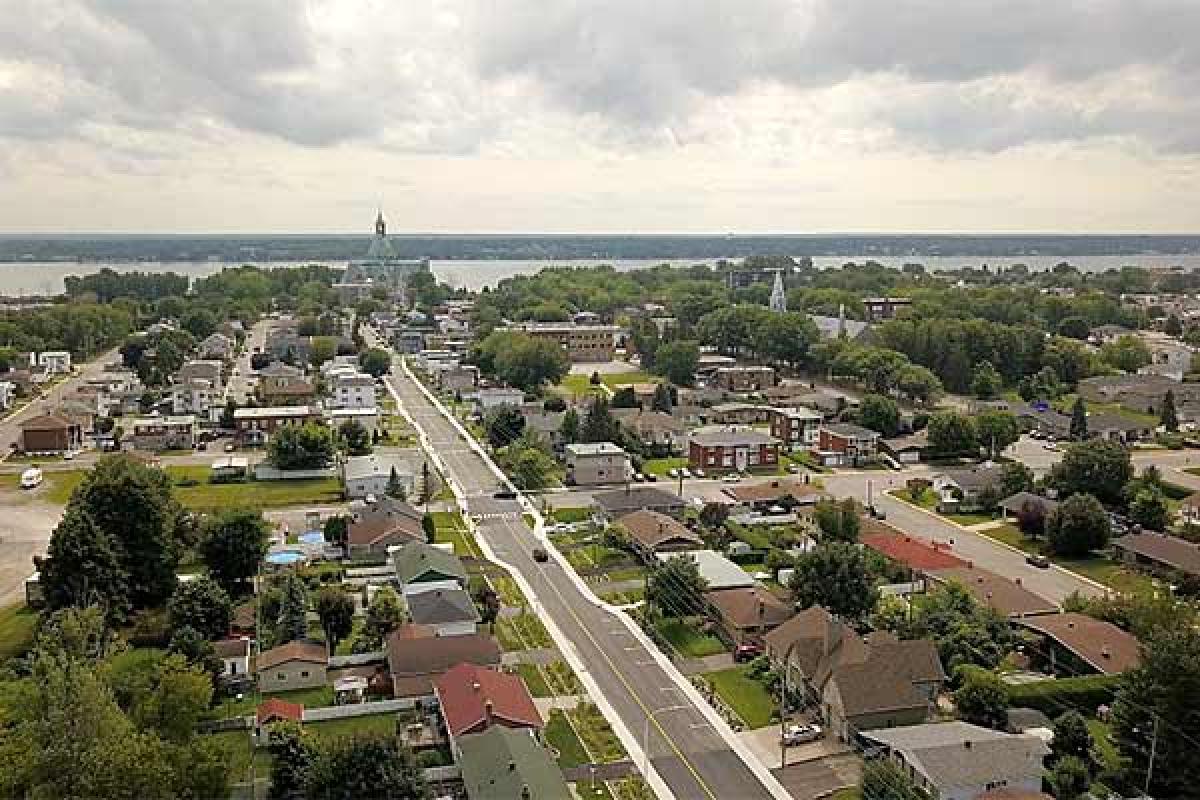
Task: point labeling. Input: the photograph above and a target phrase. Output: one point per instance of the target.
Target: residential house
(884, 308)
(474, 698)
(1141, 393)
(615, 502)
(1107, 334)
(1007, 597)
(51, 433)
(797, 428)
(592, 463)
(422, 567)
(416, 658)
(1013, 505)
(506, 764)
(234, 655)
(1169, 357)
(55, 362)
(916, 554)
(717, 571)
(547, 424)
(1160, 553)
(254, 425)
(740, 449)
(1076, 644)
(959, 761)
(858, 682)
(968, 489)
(367, 417)
(651, 532)
(457, 378)
(164, 433)
(203, 370)
(1118, 427)
(775, 493)
(370, 475)
(356, 390)
(910, 448)
(217, 346)
(375, 527)
(746, 614)
(488, 399)
(275, 709)
(658, 432)
(841, 328)
(1044, 420)
(197, 396)
(447, 612)
(846, 445)
(8, 394)
(283, 385)
(739, 414)
(295, 665)
(744, 378)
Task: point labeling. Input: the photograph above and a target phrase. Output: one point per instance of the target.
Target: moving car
(31, 478)
(540, 555)
(1037, 560)
(800, 734)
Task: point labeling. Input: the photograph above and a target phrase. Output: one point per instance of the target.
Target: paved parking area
(764, 742)
(821, 776)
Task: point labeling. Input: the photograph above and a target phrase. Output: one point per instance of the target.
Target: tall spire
(778, 301)
(380, 225)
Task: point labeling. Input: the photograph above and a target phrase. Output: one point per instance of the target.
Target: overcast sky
(608, 116)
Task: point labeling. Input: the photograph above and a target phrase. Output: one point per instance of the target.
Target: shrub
(1085, 693)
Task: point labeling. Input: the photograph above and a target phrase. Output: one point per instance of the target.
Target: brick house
(796, 427)
(51, 433)
(738, 449)
(844, 445)
(255, 424)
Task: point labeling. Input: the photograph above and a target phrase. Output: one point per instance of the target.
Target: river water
(46, 278)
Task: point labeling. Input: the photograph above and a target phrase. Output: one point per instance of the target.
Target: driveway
(764, 743)
(821, 776)
(25, 528)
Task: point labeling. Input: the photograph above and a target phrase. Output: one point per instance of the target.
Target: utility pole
(1153, 752)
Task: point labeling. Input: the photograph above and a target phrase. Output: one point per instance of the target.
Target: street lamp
(646, 736)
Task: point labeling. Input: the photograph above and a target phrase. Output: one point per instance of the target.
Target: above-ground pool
(285, 557)
(311, 537)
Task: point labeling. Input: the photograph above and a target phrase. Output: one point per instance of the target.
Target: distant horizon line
(658, 235)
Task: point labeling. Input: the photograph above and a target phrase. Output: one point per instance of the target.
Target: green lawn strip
(928, 501)
(571, 514)
(968, 520)
(315, 697)
(239, 746)
(561, 736)
(522, 632)
(346, 646)
(17, 625)
(535, 681)
(596, 734)
(625, 574)
(755, 536)
(746, 696)
(625, 598)
(689, 640)
(261, 494)
(561, 678)
(849, 793)
(614, 380)
(384, 724)
(661, 466)
(1098, 568)
(510, 594)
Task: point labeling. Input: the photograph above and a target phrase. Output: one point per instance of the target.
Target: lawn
(849, 793)
(535, 681)
(510, 594)
(522, 632)
(17, 624)
(615, 380)
(661, 466)
(1104, 746)
(56, 487)
(744, 695)
(577, 385)
(596, 555)
(757, 536)
(928, 501)
(625, 598)
(368, 724)
(562, 738)
(450, 528)
(310, 698)
(571, 514)
(1113, 575)
(688, 640)
(193, 490)
(625, 574)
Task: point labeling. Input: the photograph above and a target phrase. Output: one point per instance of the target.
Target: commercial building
(254, 425)
(593, 463)
(744, 378)
(51, 433)
(581, 343)
(164, 433)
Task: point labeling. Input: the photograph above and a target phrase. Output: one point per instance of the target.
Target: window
(281, 676)
(304, 674)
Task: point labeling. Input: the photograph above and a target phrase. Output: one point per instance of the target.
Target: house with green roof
(422, 567)
(509, 764)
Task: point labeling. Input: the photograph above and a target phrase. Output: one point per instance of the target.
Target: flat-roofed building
(164, 433)
(581, 343)
(592, 463)
(255, 424)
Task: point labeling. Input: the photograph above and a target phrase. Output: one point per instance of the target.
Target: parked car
(1050, 446)
(687, 473)
(747, 652)
(1037, 560)
(672, 473)
(229, 448)
(792, 468)
(201, 445)
(638, 477)
(800, 734)
(699, 473)
(540, 555)
(732, 477)
(651, 477)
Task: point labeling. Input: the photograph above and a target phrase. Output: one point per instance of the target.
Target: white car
(687, 473)
(732, 477)
(672, 473)
(800, 734)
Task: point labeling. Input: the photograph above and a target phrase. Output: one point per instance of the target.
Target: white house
(355, 390)
(217, 346)
(369, 475)
(234, 655)
(960, 761)
(196, 396)
(55, 362)
(8, 392)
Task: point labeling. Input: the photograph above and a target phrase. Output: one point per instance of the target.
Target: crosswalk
(499, 515)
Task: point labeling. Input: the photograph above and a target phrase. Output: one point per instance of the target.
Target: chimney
(512, 766)
(1017, 581)
(487, 711)
(967, 743)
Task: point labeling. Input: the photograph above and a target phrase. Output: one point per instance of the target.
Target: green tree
(835, 576)
(625, 397)
(336, 529)
(233, 545)
(523, 361)
(1149, 509)
(336, 611)
(569, 430)
(982, 698)
(1016, 478)
(662, 398)
(1173, 326)
(1100, 467)
(308, 446)
(1071, 738)
(528, 462)
(675, 588)
(227, 419)
(884, 779)
(178, 697)
(600, 425)
(293, 752)
(375, 362)
(1158, 698)
(395, 487)
(880, 414)
(201, 604)
(918, 384)
(1078, 526)
(199, 322)
(1127, 353)
(1069, 778)
(384, 615)
(1074, 328)
(81, 568)
(1079, 422)
(996, 430)
(355, 437)
(504, 425)
(293, 610)
(952, 434)
(322, 349)
(429, 527)
(965, 631)
(676, 361)
(838, 521)
(986, 382)
(1168, 416)
(365, 766)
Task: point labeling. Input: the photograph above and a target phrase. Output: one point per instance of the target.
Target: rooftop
(292, 651)
(748, 607)
(1164, 549)
(1008, 597)
(274, 412)
(594, 449)
(1103, 645)
(504, 764)
(471, 696)
(652, 529)
(721, 436)
(441, 607)
(914, 553)
(717, 570)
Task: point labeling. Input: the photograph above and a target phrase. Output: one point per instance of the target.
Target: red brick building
(724, 448)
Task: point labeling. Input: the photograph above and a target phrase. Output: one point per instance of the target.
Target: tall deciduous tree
(293, 610)
(951, 433)
(309, 446)
(835, 576)
(838, 521)
(375, 361)
(996, 430)
(1078, 526)
(1099, 467)
(202, 605)
(384, 615)
(677, 361)
(880, 414)
(365, 766)
(982, 698)
(504, 425)
(81, 568)
(1079, 421)
(336, 611)
(675, 588)
(234, 543)
(986, 382)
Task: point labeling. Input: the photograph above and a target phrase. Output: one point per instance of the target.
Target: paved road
(685, 749)
(10, 427)
(240, 387)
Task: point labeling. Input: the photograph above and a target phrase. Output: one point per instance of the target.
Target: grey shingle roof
(442, 606)
(957, 754)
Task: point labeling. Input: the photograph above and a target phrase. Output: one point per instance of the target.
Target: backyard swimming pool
(285, 557)
(312, 537)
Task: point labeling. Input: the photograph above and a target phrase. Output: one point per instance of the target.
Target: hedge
(1175, 491)
(1085, 693)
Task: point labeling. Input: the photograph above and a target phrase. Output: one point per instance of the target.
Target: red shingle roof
(274, 709)
(474, 698)
(912, 552)
(293, 651)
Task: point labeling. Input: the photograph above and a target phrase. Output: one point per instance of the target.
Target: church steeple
(778, 301)
(380, 225)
